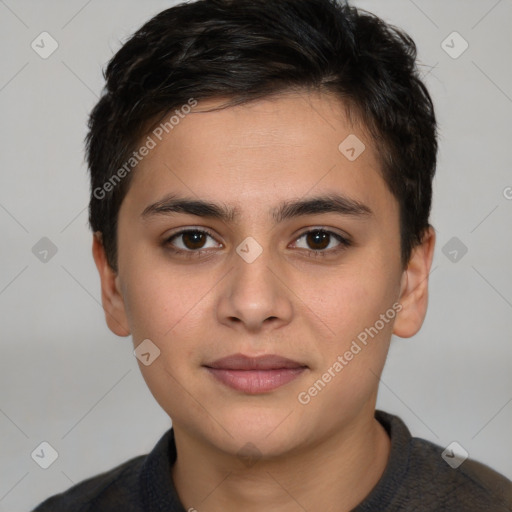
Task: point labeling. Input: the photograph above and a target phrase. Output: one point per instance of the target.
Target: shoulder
(139, 484)
(470, 486)
(112, 490)
(423, 476)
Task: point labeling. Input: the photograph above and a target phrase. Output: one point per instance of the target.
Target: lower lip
(254, 382)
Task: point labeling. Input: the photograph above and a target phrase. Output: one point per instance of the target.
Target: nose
(254, 296)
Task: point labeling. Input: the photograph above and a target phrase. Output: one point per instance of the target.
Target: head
(296, 138)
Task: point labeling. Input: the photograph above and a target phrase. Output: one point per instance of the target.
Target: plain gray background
(67, 380)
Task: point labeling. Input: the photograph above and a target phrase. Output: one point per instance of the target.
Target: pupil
(318, 237)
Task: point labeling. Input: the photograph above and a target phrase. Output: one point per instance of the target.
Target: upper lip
(243, 362)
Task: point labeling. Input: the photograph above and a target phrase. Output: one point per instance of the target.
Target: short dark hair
(246, 50)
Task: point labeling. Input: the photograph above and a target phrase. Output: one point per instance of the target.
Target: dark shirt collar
(396, 468)
(157, 486)
(159, 493)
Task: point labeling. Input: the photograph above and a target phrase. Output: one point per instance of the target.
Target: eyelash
(190, 253)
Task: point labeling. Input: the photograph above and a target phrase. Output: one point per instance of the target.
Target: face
(248, 232)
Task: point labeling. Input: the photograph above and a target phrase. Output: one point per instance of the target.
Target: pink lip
(255, 375)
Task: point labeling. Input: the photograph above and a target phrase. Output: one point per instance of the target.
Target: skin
(329, 453)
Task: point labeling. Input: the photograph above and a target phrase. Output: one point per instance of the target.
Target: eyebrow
(332, 203)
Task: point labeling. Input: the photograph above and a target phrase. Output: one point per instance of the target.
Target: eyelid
(344, 240)
(331, 231)
(182, 231)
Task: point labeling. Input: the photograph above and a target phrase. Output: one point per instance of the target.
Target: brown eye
(321, 241)
(190, 240)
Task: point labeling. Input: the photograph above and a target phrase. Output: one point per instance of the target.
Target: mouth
(255, 375)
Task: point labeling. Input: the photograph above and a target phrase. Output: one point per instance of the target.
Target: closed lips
(243, 362)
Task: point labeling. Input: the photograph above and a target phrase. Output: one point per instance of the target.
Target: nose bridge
(253, 292)
(253, 282)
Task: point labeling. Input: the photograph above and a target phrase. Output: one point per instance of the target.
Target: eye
(316, 242)
(320, 241)
(190, 240)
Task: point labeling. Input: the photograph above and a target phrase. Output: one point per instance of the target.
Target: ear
(111, 298)
(414, 288)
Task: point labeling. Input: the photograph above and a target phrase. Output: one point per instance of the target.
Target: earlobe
(111, 298)
(414, 288)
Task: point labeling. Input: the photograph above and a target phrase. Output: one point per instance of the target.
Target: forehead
(249, 155)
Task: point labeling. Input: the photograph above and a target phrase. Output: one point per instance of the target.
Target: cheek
(158, 299)
(359, 305)
(170, 309)
(360, 315)
(352, 299)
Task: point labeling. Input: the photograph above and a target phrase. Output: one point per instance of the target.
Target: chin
(271, 431)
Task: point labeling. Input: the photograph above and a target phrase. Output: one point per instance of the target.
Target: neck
(335, 472)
